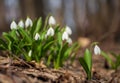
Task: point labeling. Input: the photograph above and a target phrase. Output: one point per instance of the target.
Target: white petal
(30, 53)
(50, 32)
(65, 36)
(97, 50)
(68, 30)
(69, 40)
(37, 36)
(52, 20)
(28, 23)
(13, 25)
(21, 24)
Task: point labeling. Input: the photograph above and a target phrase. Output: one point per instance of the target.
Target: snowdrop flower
(21, 24)
(65, 36)
(69, 41)
(37, 36)
(28, 22)
(97, 50)
(68, 30)
(50, 32)
(13, 25)
(51, 20)
(30, 53)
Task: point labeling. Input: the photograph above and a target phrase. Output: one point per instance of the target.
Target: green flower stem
(49, 59)
(28, 58)
(89, 75)
(58, 59)
(46, 22)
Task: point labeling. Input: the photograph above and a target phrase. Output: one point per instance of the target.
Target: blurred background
(98, 20)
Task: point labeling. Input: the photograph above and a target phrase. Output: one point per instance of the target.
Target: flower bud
(28, 23)
(68, 30)
(97, 50)
(21, 24)
(50, 32)
(65, 36)
(30, 53)
(13, 25)
(37, 36)
(51, 20)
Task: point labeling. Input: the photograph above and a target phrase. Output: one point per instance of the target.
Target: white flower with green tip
(51, 20)
(50, 32)
(65, 36)
(68, 30)
(97, 50)
(21, 24)
(13, 25)
(69, 41)
(37, 36)
(28, 22)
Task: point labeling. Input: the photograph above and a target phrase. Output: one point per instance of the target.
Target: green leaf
(71, 49)
(114, 55)
(64, 50)
(49, 59)
(9, 40)
(84, 64)
(67, 53)
(107, 58)
(57, 29)
(25, 35)
(75, 46)
(3, 44)
(117, 61)
(13, 34)
(73, 56)
(38, 26)
(32, 29)
(48, 45)
(117, 64)
(46, 22)
(58, 60)
(88, 59)
(59, 35)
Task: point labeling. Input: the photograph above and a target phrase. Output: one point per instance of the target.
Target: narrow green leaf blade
(3, 44)
(84, 64)
(38, 26)
(88, 58)
(25, 35)
(107, 58)
(48, 45)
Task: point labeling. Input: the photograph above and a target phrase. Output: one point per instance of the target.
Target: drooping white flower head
(30, 53)
(21, 24)
(13, 25)
(37, 36)
(68, 30)
(50, 32)
(28, 22)
(51, 20)
(97, 50)
(69, 41)
(65, 36)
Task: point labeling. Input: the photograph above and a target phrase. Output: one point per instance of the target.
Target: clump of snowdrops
(38, 40)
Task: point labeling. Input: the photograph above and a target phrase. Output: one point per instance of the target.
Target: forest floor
(19, 71)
